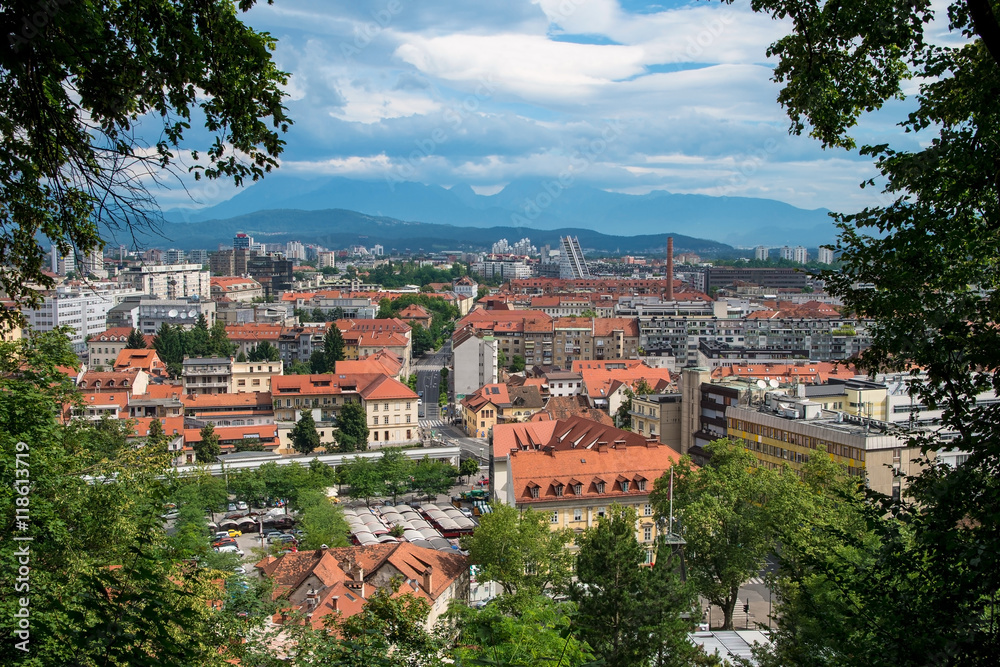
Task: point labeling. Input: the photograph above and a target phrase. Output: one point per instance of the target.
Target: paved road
(428, 369)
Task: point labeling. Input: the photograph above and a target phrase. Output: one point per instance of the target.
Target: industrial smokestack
(670, 268)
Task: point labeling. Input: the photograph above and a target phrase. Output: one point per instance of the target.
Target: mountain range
(338, 228)
(530, 206)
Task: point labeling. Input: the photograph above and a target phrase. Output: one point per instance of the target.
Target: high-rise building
(62, 264)
(197, 256)
(571, 262)
(800, 255)
(787, 253)
(171, 281)
(824, 256)
(295, 250)
(83, 310)
(760, 252)
(93, 264)
(173, 256)
(242, 240)
(325, 259)
(378, 250)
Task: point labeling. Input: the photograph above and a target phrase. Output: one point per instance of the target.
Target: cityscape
(529, 333)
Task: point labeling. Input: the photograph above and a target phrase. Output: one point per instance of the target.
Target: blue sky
(672, 96)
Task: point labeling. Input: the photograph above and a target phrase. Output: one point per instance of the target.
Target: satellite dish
(172, 313)
(192, 314)
(774, 384)
(761, 384)
(184, 315)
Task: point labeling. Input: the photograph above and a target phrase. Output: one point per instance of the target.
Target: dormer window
(600, 487)
(641, 484)
(625, 485)
(534, 492)
(578, 489)
(559, 489)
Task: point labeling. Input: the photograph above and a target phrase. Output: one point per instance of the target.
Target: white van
(230, 549)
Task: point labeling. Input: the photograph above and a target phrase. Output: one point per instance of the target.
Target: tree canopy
(304, 436)
(82, 79)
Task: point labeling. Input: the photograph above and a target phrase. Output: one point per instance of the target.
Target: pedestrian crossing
(431, 423)
(755, 581)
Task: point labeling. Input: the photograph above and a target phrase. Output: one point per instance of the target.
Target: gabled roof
(564, 407)
(147, 359)
(386, 388)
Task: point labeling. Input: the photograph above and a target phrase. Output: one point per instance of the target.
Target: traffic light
(746, 607)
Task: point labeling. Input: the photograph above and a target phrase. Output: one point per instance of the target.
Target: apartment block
(170, 281)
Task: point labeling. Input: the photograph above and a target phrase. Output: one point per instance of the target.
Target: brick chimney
(670, 268)
(428, 573)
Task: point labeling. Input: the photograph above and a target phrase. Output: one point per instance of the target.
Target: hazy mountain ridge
(337, 228)
(534, 205)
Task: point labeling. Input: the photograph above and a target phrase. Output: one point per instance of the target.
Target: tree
(207, 449)
(521, 630)
(468, 467)
(396, 469)
(317, 362)
(322, 521)
(411, 381)
(248, 486)
(622, 604)
(304, 436)
(136, 341)
(318, 315)
(517, 364)
(501, 360)
(422, 340)
(623, 416)
(333, 348)
(219, 344)
(299, 368)
(249, 445)
(352, 431)
(264, 351)
(167, 344)
(364, 479)
(241, 357)
(198, 340)
(727, 513)
(432, 477)
(519, 551)
(71, 149)
(921, 265)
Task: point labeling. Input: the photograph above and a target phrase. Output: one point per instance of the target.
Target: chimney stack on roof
(670, 268)
(428, 574)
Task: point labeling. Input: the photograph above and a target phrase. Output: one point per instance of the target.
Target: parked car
(172, 514)
(241, 506)
(239, 569)
(223, 540)
(221, 534)
(232, 507)
(271, 534)
(229, 549)
(284, 537)
(235, 533)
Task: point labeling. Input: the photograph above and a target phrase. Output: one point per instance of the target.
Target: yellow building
(254, 376)
(788, 430)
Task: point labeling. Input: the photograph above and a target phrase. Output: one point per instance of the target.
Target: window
(647, 534)
(624, 484)
(600, 511)
(243, 383)
(578, 515)
(375, 407)
(385, 420)
(407, 405)
(647, 510)
(376, 435)
(641, 484)
(559, 489)
(555, 517)
(255, 382)
(385, 406)
(578, 489)
(534, 492)
(600, 487)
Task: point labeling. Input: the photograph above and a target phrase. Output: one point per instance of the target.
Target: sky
(623, 95)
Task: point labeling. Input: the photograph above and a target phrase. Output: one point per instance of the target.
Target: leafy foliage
(396, 470)
(727, 510)
(71, 160)
(207, 449)
(364, 479)
(136, 341)
(519, 551)
(352, 431)
(432, 477)
(333, 348)
(304, 436)
(322, 521)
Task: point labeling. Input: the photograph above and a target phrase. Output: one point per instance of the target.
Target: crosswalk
(755, 581)
(431, 423)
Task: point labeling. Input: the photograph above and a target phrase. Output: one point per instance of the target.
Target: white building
(800, 255)
(824, 256)
(295, 250)
(173, 256)
(475, 362)
(787, 252)
(571, 262)
(83, 309)
(505, 269)
(171, 281)
(378, 250)
(326, 258)
(62, 264)
(760, 252)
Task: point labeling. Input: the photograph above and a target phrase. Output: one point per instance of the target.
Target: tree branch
(985, 23)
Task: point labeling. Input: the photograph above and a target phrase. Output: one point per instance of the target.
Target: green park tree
(136, 341)
(519, 551)
(629, 613)
(364, 479)
(304, 436)
(207, 449)
(352, 430)
(264, 351)
(732, 492)
(322, 521)
(468, 468)
(396, 470)
(432, 477)
(333, 348)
